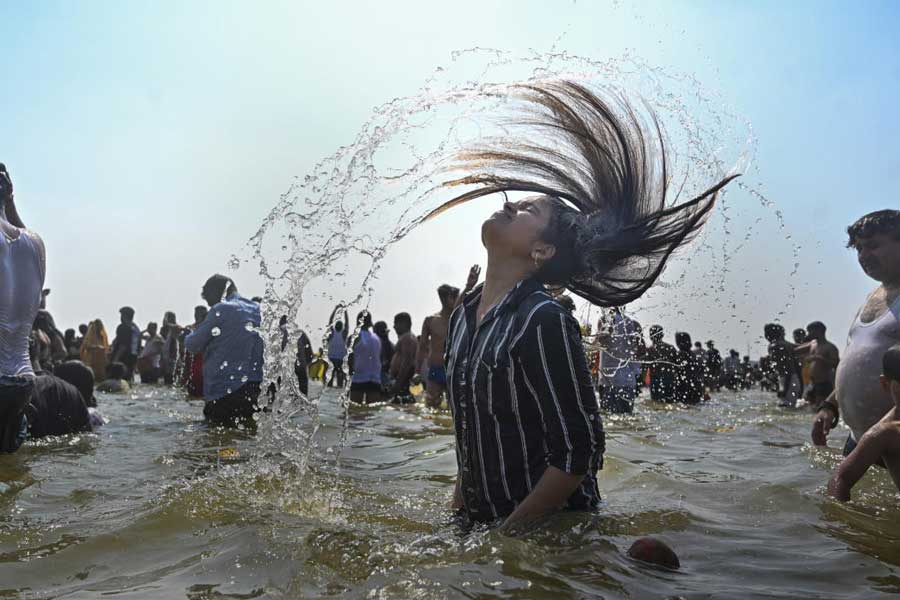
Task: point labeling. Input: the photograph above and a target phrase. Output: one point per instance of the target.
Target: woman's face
(515, 230)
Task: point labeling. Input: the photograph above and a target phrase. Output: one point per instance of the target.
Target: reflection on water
(152, 507)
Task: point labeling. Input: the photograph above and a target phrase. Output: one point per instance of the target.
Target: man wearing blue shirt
(232, 353)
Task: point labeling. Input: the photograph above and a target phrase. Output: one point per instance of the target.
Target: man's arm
(826, 420)
(870, 448)
(471, 282)
(424, 344)
(549, 495)
(197, 340)
(553, 360)
(803, 349)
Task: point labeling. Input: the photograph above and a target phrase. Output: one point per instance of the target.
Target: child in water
(881, 443)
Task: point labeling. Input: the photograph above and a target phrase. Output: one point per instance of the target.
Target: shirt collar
(511, 300)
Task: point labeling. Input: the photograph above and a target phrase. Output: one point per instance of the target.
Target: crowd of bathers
(687, 372)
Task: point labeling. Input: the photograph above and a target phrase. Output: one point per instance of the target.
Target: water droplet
(244, 379)
(216, 332)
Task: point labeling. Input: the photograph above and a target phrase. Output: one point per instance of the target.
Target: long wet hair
(606, 172)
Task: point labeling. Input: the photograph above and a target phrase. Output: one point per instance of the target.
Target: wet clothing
(22, 271)
(437, 374)
(234, 408)
(861, 400)
(94, 350)
(618, 400)
(522, 400)
(337, 346)
(80, 375)
(126, 346)
(150, 363)
(366, 387)
(21, 280)
(662, 359)
(14, 395)
(619, 366)
(56, 407)
(231, 345)
(366, 358)
(689, 378)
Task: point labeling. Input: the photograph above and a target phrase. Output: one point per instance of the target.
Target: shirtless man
(822, 357)
(434, 336)
(403, 363)
(858, 396)
(782, 356)
(881, 443)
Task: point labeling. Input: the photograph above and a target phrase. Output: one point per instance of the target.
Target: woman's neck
(500, 277)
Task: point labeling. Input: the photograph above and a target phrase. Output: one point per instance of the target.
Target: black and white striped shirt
(522, 399)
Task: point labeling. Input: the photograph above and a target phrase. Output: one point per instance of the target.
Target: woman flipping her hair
(529, 436)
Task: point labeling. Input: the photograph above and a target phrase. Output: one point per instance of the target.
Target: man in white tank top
(22, 268)
(858, 396)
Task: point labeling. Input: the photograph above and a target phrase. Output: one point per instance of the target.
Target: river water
(156, 505)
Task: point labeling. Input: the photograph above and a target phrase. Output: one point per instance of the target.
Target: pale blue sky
(147, 140)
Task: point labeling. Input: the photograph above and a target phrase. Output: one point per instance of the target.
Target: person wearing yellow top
(95, 349)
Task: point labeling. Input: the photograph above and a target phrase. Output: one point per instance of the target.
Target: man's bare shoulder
(406, 342)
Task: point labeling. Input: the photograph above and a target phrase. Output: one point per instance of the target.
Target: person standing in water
(689, 373)
(126, 346)
(529, 435)
(232, 353)
(662, 360)
(95, 349)
(713, 366)
(822, 358)
(403, 363)
(192, 363)
(858, 396)
(431, 346)
(22, 270)
(783, 360)
(365, 383)
(337, 347)
(881, 442)
(622, 340)
(149, 365)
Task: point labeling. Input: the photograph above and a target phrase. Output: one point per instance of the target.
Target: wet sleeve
(553, 359)
(197, 340)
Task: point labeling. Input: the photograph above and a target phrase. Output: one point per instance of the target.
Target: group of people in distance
(688, 373)
(508, 353)
(381, 370)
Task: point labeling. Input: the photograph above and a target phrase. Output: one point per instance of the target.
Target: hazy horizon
(148, 141)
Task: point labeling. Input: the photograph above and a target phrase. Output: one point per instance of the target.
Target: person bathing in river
(434, 336)
(662, 360)
(858, 396)
(781, 354)
(431, 346)
(403, 362)
(622, 340)
(365, 383)
(23, 262)
(689, 372)
(337, 346)
(232, 353)
(529, 435)
(881, 442)
(822, 358)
